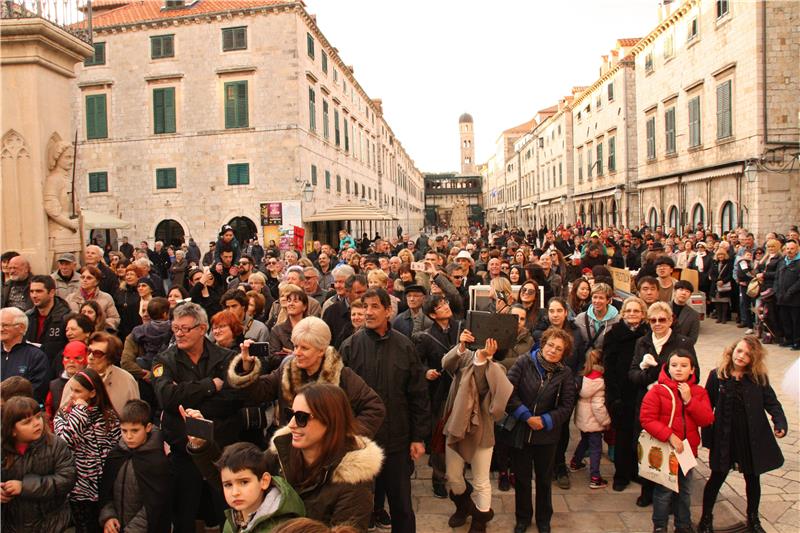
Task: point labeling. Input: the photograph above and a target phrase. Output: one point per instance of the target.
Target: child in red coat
(692, 411)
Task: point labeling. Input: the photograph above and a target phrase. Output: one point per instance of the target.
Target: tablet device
(485, 325)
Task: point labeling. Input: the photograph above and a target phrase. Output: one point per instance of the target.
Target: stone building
(503, 203)
(554, 179)
(197, 114)
(717, 123)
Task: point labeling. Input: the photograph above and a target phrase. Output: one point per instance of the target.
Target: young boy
(136, 489)
(692, 409)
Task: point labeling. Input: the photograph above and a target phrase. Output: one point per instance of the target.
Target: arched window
(728, 217)
(698, 215)
(673, 219)
(652, 218)
(170, 232)
(243, 228)
(602, 221)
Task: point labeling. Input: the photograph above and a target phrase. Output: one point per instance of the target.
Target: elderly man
(312, 288)
(145, 266)
(413, 320)
(340, 275)
(46, 320)
(191, 374)
(19, 357)
(314, 254)
(93, 256)
(16, 289)
(66, 276)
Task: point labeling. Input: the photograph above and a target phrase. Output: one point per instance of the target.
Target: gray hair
(343, 271)
(258, 275)
(96, 248)
(180, 253)
(298, 269)
(192, 310)
(311, 269)
(143, 262)
(312, 330)
(17, 314)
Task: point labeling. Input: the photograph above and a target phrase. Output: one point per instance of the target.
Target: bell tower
(467, 138)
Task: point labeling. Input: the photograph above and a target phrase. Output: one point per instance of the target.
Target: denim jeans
(666, 502)
(593, 441)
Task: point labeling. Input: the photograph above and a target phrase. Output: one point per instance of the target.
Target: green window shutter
(695, 136)
(328, 179)
(236, 104)
(314, 175)
(164, 110)
(98, 182)
(312, 110)
(155, 47)
(96, 123)
(325, 128)
(166, 178)
(239, 174)
(310, 45)
(599, 159)
(669, 129)
(324, 62)
(612, 154)
(724, 110)
(338, 183)
(336, 132)
(99, 56)
(651, 138)
(242, 105)
(227, 39)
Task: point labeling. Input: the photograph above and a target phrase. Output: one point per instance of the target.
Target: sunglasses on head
(301, 418)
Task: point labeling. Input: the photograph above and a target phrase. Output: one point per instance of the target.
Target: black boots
(754, 524)
(479, 520)
(706, 524)
(464, 507)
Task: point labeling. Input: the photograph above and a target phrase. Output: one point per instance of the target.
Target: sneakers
(380, 520)
(598, 483)
(562, 479)
(749, 331)
(574, 465)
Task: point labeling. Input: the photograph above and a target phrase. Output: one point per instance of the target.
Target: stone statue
(63, 230)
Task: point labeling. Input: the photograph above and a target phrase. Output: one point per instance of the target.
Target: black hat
(416, 288)
(148, 282)
(657, 247)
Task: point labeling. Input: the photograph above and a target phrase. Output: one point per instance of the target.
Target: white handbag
(657, 459)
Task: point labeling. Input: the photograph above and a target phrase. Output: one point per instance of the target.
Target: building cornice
(624, 62)
(663, 26)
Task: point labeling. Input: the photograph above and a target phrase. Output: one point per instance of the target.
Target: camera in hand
(200, 428)
(259, 349)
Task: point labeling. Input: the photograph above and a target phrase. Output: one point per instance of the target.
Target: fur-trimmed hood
(330, 371)
(360, 465)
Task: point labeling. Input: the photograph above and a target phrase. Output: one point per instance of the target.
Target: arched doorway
(244, 229)
(673, 219)
(614, 214)
(602, 223)
(728, 217)
(652, 218)
(582, 215)
(591, 215)
(698, 216)
(170, 232)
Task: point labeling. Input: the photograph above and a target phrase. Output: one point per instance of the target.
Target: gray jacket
(65, 288)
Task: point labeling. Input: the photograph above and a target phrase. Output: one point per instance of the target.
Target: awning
(95, 220)
(715, 173)
(657, 183)
(351, 211)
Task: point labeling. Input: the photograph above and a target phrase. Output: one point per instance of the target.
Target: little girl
(37, 471)
(740, 393)
(591, 418)
(90, 427)
(677, 383)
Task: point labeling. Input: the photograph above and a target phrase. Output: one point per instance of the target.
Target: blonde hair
(659, 307)
(501, 284)
(603, 288)
(757, 353)
(378, 276)
(634, 300)
(594, 357)
(313, 331)
(405, 255)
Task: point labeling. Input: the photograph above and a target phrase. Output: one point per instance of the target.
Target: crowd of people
(260, 389)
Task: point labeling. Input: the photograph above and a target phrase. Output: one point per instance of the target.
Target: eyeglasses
(184, 329)
(96, 353)
(660, 320)
(244, 263)
(301, 418)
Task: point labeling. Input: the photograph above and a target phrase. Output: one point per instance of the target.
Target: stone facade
(306, 122)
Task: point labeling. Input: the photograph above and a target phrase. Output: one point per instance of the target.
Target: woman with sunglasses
(651, 353)
(90, 290)
(528, 298)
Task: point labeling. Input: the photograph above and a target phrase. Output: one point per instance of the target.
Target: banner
(622, 279)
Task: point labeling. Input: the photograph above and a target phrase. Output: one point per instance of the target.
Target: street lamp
(750, 170)
(308, 192)
(617, 198)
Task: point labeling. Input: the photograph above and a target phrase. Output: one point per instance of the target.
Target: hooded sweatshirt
(281, 503)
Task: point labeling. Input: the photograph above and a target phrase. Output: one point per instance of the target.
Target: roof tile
(138, 11)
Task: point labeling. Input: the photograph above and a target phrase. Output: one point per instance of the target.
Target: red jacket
(657, 405)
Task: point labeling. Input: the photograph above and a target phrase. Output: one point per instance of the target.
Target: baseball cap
(67, 257)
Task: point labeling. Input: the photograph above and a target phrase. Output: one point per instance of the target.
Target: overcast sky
(501, 61)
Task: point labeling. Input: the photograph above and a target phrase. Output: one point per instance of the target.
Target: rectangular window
(669, 46)
(612, 154)
(724, 127)
(324, 59)
(648, 62)
(96, 123)
(98, 182)
(166, 178)
(338, 183)
(312, 110)
(162, 46)
(336, 133)
(346, 134)
(589, 163)
(328, 179)
(598, 103)
(326, 133)
(599, 159)
(610, 92)
(314, 175)
(560, 174)
(164, 110)
(692, 29)
(236, 105)
(723, 8)
(651, 137)
(580, 167)
(347, 186)
(234, 38)
(310, 45)
(669, 130)
(695, 136)
(239, 174)
(99, 56)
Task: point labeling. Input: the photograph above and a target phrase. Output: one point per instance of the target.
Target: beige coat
(76, 300)
(471, 422)
(120, 386)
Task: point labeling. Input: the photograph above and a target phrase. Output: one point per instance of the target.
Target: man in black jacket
(386, 361)
(46, 325)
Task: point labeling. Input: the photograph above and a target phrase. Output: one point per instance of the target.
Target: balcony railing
(73, 16)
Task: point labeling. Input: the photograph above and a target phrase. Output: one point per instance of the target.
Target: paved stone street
(584, 510)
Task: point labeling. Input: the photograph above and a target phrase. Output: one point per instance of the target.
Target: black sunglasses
(301, 418)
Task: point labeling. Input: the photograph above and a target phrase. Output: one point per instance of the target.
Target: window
(326, 133)
(338, 183)
(162, 46)
(724, 128)
(335, 75)
(648, 62)
(336, 126)
(560, 174)
(651, 137)
(99, 56)
(669, 130)
(98, 182)
(96, 123)
(310, 45)
(324, 58)
(652, 218)
(236, 104)
(314, 175)
(239, 174)
(673, 218)
(164, 110)
(599, 159)
(234, 38)
(598, 104)
(698, 215)
(612, 154)
(346, 135)
(728, 217)
(165, 178)
(312, 110)
(580, 166)
(610, 92)
(347, 186)
(695, 136)
(589, 163)
(691, 29)
(723, 8)
(328, 179)
(669, 46)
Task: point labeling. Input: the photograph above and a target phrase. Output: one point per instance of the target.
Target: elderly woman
(227, 330)
(721, 282)
(280, 336)
(89, 290)
(651, 353)
(313, 360)
(541, 403)
(177, 271)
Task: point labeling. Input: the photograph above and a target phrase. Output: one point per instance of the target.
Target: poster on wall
(272, 214)
(279, 220)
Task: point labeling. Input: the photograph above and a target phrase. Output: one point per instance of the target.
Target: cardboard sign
(622, 279)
